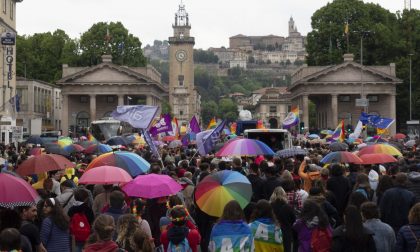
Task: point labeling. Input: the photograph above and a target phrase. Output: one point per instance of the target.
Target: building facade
(91, 93)
(183, 96)
(40, 106)
(335, 89)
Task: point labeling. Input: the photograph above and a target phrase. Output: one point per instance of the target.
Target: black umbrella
(338, 146)
(117, 140)
(291, 152)
(35, 139)
(55, 149)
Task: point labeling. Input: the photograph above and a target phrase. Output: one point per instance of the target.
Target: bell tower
(183, 97)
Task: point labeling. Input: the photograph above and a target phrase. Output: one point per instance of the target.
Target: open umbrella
(337, 146)
(410, 143)
(98, 149)
(130, 162)
(43, 163)
(35, 139)
(174, 144)
(36, 151)
(341, 157)
(244, 147)
(64, 141)
(72, 148)
(54, 148)
(105, 175)
(377, 158)
(117, 140)
(168, 138)
(216, 190)
(399, 136)
(291, 152)
(380, 148)
(152, 186)
(313, 136)
(16, 192)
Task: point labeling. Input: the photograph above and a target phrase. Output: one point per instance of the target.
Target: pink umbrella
(105, 175)
(16, 192)
(377, 158)
(152, 186)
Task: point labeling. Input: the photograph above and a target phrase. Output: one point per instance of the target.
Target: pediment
(350, 73)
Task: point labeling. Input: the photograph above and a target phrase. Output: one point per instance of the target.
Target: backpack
(417, 240)
(183, 246)
(80, 227)
(321, 240)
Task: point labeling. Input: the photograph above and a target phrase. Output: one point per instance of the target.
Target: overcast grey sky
(213, 21)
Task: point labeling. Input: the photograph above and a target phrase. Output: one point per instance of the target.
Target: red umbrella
(168, 138)
(43, 163)
(105, 175)
(377, 158)
(36, 151)
(16, 192)
(399, 136)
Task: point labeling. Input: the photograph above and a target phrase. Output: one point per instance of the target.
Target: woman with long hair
(352, 236)
(101, 239)
(312, 218)
(55, 235)
(363, 186)
(143, 241)
(409, 235)
(284, 215)
(126, 226)
(231, 230)
(267, 233)
(137, 209)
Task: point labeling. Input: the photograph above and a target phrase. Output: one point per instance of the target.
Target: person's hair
(142, 241)
(336, 170)
(262, 210)
(9, 219)
(354, 227)
(81, 194)
(204, 166)
(414, 214)
(174, 200)
(127, 225)
(318, 184)
(248, 210)
(369, 210)
(232, 211)
(254, 167)
(57, 214)
(312, 209)
(237, 162)
(138, 206)
(362, 180)
(10, 239)
(357, 199)
(278, 194)
(288, 185)
(116, 199)
(104, 227)
(385, 182)
(401, 179)
(178, 215)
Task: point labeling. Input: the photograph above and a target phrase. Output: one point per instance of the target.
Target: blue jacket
(405, 239)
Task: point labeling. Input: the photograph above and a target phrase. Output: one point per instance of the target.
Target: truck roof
(265, 130)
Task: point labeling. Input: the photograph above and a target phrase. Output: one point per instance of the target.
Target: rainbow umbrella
(216, 190)
(380, 148)
(72, 148)
(130, 162)
(98, 148)
(244, 147)
(64, 141)
(377, 158)
(341, 157)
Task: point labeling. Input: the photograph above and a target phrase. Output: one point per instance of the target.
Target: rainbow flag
(175, 128)
(212, 123)
(260, 124)
(291, 119)
(339, 133)
(90, 137)
(233, 128)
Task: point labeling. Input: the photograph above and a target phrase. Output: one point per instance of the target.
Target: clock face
(181, 55)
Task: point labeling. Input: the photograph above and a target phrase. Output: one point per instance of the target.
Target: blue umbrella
(117, 140)
(35, 139)
(313, 136)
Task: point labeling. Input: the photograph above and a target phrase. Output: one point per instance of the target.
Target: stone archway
(273, 123)
(82, 119)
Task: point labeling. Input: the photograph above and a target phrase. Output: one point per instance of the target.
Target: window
(83, 99)
(181, 80)
(110, 99)
(273, 109)
(4, 6)
(344, 98)
(372, 98)
(12, 12)
(181, 112)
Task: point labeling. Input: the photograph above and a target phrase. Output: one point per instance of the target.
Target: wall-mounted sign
(8, 38)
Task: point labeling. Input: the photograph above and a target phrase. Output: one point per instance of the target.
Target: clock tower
(183, 97)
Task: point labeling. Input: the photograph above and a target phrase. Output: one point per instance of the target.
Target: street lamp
(411, 117)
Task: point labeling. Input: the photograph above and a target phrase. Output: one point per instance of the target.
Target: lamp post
(411, 115)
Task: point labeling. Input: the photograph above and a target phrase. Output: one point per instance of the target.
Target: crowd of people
(297, 204)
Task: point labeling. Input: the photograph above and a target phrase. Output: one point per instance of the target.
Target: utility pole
(411, 114)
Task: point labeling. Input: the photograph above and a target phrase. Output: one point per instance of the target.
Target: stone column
(120, 100)
(149, 100)
(334, 111)
(65, 116)
(92, 108)
(305, 109)
(392, 114)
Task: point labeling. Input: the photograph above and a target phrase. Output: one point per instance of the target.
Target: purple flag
(138, 116)
(163, 125)
(151, 144)
(194, 126)
(206, 140)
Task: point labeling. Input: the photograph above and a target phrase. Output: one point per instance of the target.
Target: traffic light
(302, 127)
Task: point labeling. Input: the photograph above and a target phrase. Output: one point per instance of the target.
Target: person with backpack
(266, 232)
(232, 230)
(408, 237)
(352, 236)
(178, 237)
(313, 228)
(66, 198)
(81, 218)
(101, 239)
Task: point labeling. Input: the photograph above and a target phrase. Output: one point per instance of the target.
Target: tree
(113, 38)
(228, 109)
(202, 56)
(208, 111)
